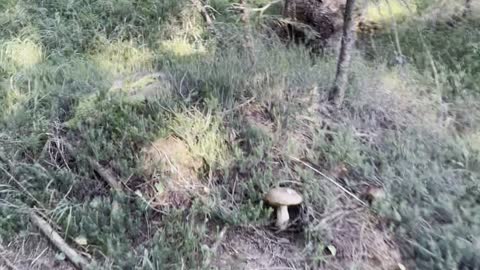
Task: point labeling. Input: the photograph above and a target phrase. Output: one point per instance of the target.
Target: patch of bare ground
(257, 116)
(31, 252)
(358, 238)
(251, 248)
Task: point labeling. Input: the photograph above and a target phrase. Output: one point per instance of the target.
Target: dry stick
(330, 180)
(106, 174)
(78, 260)
(24, 189)
(201, 8)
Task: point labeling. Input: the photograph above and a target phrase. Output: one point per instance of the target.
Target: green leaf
(159, 188)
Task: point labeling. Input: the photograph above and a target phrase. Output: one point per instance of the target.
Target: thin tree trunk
(203, 11)
(337, 93)
(249, 43)
(285, 8)
(468, 8)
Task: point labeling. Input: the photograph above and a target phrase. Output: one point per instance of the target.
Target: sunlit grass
(122, 58)
(204, 135)
(181, 47)
(385, 10)
(20, 54)
(11, 100)
(216, 112)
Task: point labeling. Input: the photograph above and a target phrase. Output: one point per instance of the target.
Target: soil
(31, 252)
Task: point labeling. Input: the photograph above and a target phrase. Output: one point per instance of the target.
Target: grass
(76, 70)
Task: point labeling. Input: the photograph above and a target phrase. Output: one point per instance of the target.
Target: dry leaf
(81, 240)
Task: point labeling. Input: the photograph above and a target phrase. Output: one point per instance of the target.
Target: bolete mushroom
(281, 198)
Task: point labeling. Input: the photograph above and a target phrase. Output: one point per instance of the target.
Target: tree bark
(337, 93)
(249, 42)
(208, 20)
(468, 8)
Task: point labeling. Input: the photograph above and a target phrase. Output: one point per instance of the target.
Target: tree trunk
(337, 93)
(468, 8)
(249, 42)
(201, 9)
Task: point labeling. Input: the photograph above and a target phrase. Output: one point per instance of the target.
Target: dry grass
(200, 146)
(32, 252)
(250, 248)
(143, 86)
(172, 173)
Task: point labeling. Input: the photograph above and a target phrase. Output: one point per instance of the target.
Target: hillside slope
(148, 140)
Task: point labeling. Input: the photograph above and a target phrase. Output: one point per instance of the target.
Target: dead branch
(78, 261)
(260, 10)
(201, 8)
(329, 179)
(106, 174)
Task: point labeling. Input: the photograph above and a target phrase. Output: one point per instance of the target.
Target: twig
(201, 8)
(261, 10)
(24, 189)
(330, 180)
(105, 173)
(38, 257)
(215, 245)
(220, 237)
(79, 261)
(9, 264)
(238, 106)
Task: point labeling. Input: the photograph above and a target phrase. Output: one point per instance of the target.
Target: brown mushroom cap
(283, 196)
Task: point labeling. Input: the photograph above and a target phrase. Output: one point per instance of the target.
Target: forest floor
(148, 140)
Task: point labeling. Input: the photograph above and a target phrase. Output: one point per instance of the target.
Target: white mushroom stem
(282, 217)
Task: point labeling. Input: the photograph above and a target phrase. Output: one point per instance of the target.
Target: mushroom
(282, 198)
(374, 194)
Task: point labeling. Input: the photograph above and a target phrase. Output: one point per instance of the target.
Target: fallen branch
(105, 174)
(201, 8)
(330, 180)
(260, 10)
(78, 261)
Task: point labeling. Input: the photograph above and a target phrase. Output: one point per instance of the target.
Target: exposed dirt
(250, 248)
(258, 117)
(31, 252)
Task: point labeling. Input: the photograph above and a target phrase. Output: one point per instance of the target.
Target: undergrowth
(75, 71)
